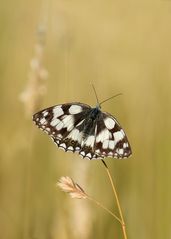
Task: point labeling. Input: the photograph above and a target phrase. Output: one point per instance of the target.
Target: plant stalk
(117, 200)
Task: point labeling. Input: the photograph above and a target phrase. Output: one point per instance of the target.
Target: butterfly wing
(111, 140)
(62, 123)
(106, 138)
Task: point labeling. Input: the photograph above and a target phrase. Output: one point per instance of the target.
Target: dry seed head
(69, 186)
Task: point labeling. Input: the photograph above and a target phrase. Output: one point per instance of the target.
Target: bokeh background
(50, 52)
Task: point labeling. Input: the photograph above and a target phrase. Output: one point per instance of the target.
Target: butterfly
(77, 127)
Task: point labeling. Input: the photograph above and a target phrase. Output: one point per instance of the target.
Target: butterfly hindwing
(79, 128)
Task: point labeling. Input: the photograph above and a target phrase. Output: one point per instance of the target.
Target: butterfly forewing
(79, 128)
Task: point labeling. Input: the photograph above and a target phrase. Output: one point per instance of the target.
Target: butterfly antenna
(110, 98)
(95, 94)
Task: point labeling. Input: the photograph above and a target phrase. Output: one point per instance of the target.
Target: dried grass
(75, 191)
(69, 186)
(36, 85)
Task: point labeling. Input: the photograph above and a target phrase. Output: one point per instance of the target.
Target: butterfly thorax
(90, 121)
(94, 113)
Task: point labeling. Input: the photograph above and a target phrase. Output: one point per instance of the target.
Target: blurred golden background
(50, 52)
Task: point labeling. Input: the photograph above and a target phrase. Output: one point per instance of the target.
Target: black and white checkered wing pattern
(111, 140)
(60, 123)
(79, 128)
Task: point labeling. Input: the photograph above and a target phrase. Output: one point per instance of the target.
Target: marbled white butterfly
(79, 128)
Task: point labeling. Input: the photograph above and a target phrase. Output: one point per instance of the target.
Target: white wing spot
(54, 122)
(88, 155)
(59, 126)
(77, 149)
(120, 151)
(76, 135)
(45, 113)
(58, 111)
(68, 122)
(43, 121)
(105, 134)
(125, 145)
(97, 151)
(70, 148)
(63, 145)
(105, 144)
(110, 123)
(82, 153)
(111, 144)
(110, 154)
(90, 141)
(75, 109)
(118, 136)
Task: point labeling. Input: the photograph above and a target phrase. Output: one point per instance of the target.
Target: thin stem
(117, 200)
(106, 209)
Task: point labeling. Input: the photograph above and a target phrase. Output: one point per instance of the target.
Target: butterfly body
(92, 116)
(79, 128)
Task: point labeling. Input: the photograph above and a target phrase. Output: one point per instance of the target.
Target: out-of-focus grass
(121, 47)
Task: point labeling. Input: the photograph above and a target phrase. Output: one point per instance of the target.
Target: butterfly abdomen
(90, 122)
